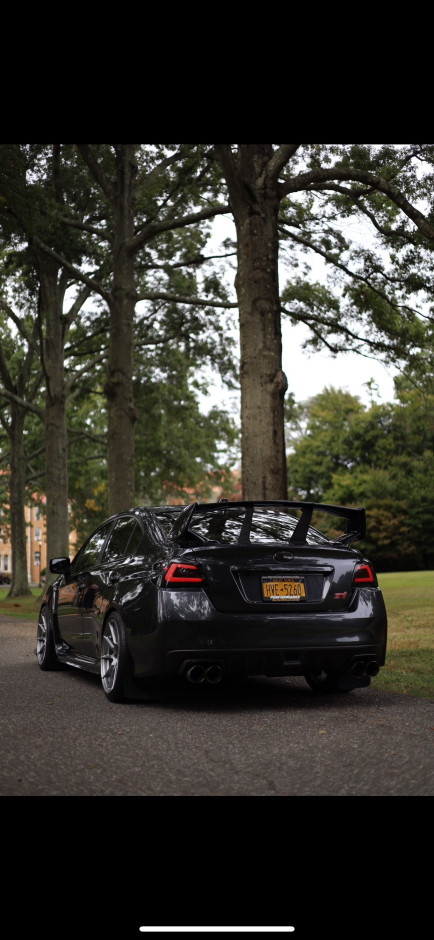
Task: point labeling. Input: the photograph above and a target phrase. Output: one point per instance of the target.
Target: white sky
(309, 373)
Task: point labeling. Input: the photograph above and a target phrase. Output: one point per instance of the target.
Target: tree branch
(318, 180)
(78, 275)
(181, 299)
(95, 169)
(279, 159)
(21, 401)
(168, 225)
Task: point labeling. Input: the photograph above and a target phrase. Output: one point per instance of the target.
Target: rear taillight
(182, 574)
(364, 575)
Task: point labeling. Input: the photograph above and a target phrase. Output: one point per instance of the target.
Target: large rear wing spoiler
(356, 518)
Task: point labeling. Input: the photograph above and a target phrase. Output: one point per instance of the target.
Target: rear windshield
(232, 526)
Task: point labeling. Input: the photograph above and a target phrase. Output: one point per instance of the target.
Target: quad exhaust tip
(364, 668)
(198, 672)
(212, 673)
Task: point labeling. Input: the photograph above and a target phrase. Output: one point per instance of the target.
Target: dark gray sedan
(226, 589)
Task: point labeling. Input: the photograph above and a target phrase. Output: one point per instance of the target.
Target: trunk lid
(274, 579)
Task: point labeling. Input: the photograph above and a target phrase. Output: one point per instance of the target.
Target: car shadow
(241, 694)
(255, 691)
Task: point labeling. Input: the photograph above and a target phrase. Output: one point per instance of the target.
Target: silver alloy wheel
(109, 655)
(42, 637)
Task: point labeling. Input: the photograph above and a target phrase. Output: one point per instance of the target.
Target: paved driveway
(265, 737)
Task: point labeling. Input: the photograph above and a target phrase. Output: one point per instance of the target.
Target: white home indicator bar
(217, 929)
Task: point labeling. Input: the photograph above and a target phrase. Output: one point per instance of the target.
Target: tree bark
(19, 388)
(122, 413)
(255, 204)
(53, 330)
(17, 496)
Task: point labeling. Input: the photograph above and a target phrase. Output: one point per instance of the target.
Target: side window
(121, 539)
(136, 540)
(91, 550)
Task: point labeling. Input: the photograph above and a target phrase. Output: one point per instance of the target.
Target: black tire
(322, 681)
(114, 665)
(45, 649)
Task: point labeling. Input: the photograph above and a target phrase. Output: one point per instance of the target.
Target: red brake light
(364, 575)
(182, 574)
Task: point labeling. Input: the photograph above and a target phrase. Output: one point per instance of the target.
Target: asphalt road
(264, 737)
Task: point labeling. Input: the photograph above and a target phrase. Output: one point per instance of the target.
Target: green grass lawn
(409, 598)
(25, 607)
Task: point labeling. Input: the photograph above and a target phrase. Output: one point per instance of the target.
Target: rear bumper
(360, 665)
(269, 644)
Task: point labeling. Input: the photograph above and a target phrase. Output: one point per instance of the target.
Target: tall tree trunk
(255, 206)
(122, 414)
(17, 497)
(53, 328)
(19, 387)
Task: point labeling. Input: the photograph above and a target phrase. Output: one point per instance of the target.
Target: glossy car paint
(223, 619)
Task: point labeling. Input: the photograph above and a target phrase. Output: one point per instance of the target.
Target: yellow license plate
(283, 589)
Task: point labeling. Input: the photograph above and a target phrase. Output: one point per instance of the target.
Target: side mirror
(59, 565)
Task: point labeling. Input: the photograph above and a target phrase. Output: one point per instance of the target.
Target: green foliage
(181, 452)
(87, 461)
(62, 195)
(324, 445)
(378, 267)
(382, 458)
(375, 299)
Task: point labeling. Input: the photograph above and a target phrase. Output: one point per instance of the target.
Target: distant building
(36, 537)
(36, 543)
(36, 549)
